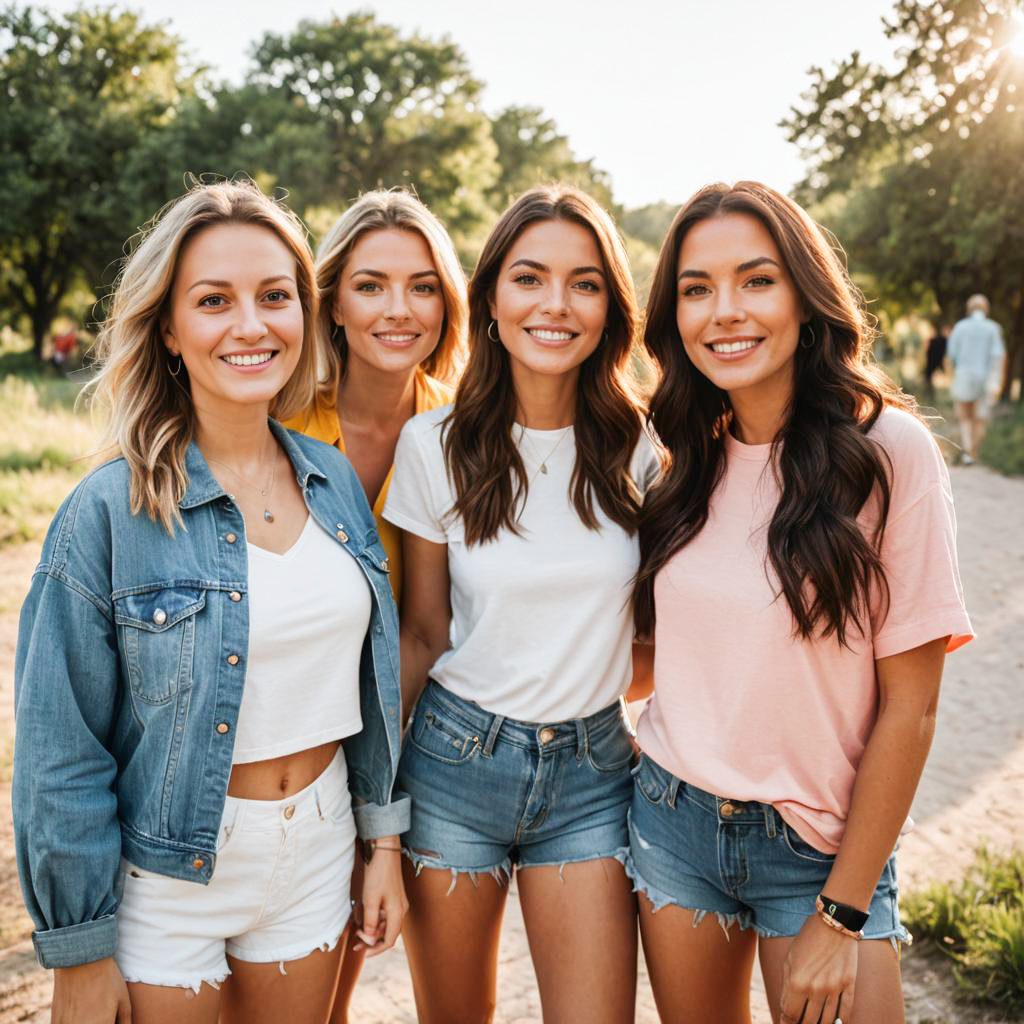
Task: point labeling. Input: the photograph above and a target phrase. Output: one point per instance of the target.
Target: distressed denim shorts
(735, 859)
(280, 890)
(489, 792)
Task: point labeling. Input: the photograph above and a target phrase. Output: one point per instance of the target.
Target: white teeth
(255, 360)
(396, 337)
(733, 346)
(553, 335)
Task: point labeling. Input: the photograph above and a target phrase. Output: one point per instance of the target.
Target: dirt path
(973, 787)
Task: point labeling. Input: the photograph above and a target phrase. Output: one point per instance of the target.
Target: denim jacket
(128, 679)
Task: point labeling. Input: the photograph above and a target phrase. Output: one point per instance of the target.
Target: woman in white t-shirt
(519, 507)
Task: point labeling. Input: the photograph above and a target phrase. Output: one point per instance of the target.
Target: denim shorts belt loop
(491, 791)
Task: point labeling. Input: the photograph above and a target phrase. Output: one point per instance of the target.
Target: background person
(976, 352)
(206, 661)
(519, 507)
(799, 577)
(935, 356)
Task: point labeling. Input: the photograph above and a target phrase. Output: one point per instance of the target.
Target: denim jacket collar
(203, 486)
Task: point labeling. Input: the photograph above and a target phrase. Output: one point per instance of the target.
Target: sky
(665, 96)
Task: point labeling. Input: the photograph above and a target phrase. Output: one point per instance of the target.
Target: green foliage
(80, 92)
(979, 923)
(916, 167)
(1003, 445)
(650, 223)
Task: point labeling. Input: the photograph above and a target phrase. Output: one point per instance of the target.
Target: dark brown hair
(486, 469)
(826, 465)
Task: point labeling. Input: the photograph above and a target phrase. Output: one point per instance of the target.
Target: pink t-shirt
(743, 709)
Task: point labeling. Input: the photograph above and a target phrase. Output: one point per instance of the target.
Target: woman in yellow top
(391, 332)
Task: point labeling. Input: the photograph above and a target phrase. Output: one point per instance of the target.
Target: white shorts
(280, 890)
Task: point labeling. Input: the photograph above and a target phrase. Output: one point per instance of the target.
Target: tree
(80, 93)
(531, 151)
(916, 167)
(349, 104)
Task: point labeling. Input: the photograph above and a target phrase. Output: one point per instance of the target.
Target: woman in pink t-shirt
(798, 578)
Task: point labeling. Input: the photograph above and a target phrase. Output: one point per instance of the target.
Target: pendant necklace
(543, 462)
(264, 492)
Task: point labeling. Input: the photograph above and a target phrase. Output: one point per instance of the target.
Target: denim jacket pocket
(157, 634)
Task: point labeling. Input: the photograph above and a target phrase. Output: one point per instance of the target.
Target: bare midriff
(278, 777)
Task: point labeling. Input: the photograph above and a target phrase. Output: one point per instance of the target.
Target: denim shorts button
(159, 616)
(727, 810)
(289, 811)
(546, 735)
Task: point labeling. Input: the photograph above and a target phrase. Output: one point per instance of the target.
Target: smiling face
(550, 300)
(235, 317)
(389, 301)
(737, 310)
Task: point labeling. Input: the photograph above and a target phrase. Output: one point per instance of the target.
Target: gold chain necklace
(533, 449)
(263, 492)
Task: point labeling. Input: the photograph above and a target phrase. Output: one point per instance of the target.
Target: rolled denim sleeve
(67, 836)
(374, 821)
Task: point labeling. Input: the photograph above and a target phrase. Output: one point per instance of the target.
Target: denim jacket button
(342, 536)
(235, 595)
(223, 727)
(232, 659)
(159, 616)
(231, 538)
(198, 863)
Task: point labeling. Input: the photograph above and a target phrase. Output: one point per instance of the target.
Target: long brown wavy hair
(486, 469)
(827, 569)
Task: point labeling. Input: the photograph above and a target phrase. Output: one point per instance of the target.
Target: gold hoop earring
(496, 338)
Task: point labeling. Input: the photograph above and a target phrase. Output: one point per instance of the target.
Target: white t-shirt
(309, 610)
(542, 622)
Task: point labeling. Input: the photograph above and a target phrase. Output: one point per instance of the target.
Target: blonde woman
(391, 332)
(207, 664)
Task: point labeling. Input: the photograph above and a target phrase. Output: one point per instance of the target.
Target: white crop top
(309, 610)
(542, 622)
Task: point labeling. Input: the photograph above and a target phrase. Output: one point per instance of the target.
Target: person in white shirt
(519, 506)
(976, 351)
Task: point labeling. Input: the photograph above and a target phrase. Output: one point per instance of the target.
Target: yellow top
(322, 423)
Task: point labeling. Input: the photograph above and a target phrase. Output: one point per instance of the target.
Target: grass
(1003, 445)
(978, 924)
(44, 446)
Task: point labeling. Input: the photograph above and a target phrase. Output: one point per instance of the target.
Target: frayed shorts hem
(743, 919)
(502, 871)
(297, 951)
(146, 978)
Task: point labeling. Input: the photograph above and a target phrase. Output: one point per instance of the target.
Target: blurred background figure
(976, 351)
(935, 356)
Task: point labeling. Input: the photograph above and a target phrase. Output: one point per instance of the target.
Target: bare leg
(451, 941)
(877, 996)
(162, 1004)
(697, 974)
(965, 414)
(351, 959)
(589, 908)
(261, 994)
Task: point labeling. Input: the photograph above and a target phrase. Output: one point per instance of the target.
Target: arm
(822, 963)
(426, 613)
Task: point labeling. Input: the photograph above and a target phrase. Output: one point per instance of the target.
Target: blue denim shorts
(489, 792)
(737, 860)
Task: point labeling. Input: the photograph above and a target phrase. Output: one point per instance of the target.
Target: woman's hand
(90, 994)
(818, 975)
(384, 902)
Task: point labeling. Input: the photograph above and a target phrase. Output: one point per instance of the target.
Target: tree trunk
(1013, 368)
(41, 315)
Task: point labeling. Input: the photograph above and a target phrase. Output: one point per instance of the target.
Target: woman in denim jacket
(207, 668)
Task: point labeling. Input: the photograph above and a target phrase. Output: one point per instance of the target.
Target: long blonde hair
(380, 210)
(149, 411)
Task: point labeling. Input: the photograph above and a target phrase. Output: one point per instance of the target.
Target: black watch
(849, 917)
